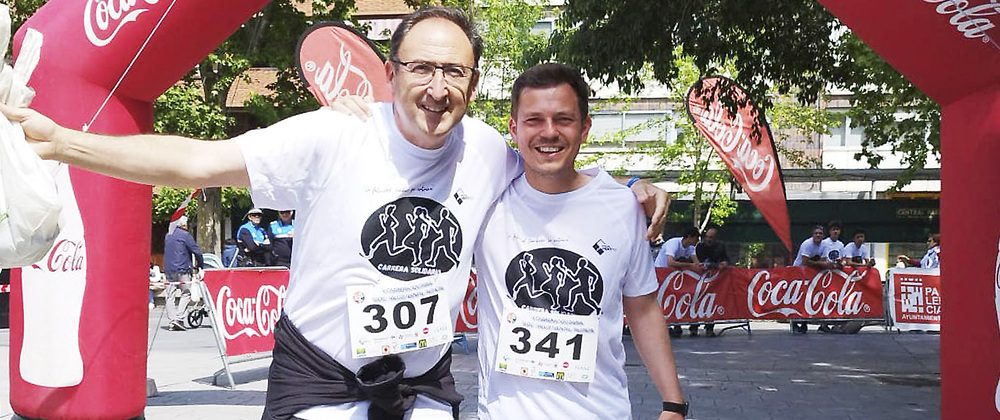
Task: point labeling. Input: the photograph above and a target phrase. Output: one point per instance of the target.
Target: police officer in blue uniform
(281, 232)
(253, 240)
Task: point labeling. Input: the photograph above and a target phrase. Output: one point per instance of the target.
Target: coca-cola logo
(103, 19)
(735, 142)
(65, 256)
(330, 80)
(252, 316)
(698, 304)
(816, 296)
(971, 22)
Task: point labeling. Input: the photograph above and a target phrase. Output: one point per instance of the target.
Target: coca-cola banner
(737, 293)
(746, 147)
(246, 303)
(915, 298)
(335, 60)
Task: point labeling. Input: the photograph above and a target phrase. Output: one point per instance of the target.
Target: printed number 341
(548, 345)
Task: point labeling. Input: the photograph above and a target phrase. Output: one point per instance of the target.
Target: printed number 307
(404, 314)
(548, 345)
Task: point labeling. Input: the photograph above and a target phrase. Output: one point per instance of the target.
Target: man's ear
(390, 73)
(472, 86)
(512, 127)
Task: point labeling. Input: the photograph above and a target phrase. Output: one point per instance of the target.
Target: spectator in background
(679, 253)
(155, 283)
(229, 251)
(178, 249)
(811, 251)
(856, 254)
(253, 240)
(712, 254)
(811, 255)
(833, 246)
(280, 232)
(932, 259)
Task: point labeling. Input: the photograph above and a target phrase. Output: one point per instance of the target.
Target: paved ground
(769, 374)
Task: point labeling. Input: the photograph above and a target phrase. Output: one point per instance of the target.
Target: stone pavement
(769, 374)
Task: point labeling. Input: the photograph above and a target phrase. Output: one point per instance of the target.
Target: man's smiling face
(427, 109)
(549, 130)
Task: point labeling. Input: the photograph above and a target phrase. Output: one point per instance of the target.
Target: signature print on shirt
(412, 237)
(555, 279)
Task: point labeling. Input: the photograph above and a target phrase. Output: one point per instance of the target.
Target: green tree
(785, 47)
(268, 39)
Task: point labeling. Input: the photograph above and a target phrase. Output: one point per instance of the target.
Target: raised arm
(650, 334)
(146, 158)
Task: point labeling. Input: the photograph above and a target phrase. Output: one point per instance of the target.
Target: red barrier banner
(915, 296)
(746, 148)
(780, 293)
(246, 303)
(335, 60)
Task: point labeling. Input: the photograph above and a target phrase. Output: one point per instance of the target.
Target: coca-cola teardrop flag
(746, 147)
(335, 60)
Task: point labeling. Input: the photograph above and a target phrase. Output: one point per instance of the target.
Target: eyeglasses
(424, 71)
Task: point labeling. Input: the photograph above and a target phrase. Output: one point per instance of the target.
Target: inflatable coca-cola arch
(103, 63)
(949, 49)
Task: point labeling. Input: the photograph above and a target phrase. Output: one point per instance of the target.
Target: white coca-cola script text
(252, 316)
(816, 295)
(103, 19)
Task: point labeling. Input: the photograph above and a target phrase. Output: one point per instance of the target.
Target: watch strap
(680, 408)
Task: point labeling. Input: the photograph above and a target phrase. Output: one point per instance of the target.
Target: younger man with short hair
(552, 295)
(856, 254)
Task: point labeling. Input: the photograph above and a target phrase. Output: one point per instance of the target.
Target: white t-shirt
(808, 248)
(832, 250)
(373, 208)
(673, 247)
(529, 232)
(851, 250)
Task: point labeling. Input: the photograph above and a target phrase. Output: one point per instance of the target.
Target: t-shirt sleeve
(672, 248)
(513, 166)
(282, 159)
(640, 279)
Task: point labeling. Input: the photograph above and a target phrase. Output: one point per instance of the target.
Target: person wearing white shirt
(811, 255)
(811, 251)
(856, 254)
(931, 259)
(542, 279)
(679, 252)
(833, 247)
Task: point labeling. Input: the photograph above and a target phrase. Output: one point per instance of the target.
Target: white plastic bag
(29, 200)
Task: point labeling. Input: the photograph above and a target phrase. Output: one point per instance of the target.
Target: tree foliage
(786, 47)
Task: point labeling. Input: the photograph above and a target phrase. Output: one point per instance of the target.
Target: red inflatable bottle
(103, 63)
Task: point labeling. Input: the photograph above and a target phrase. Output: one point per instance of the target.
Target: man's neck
(556, 184)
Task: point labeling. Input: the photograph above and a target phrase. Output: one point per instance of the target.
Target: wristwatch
(679, 408)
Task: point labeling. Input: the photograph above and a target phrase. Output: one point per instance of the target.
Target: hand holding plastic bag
(29, 201)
